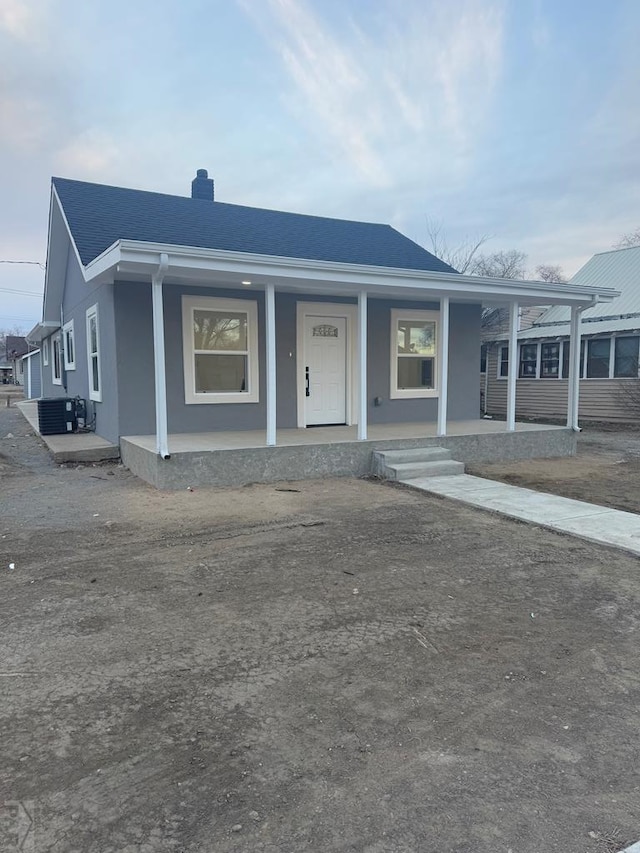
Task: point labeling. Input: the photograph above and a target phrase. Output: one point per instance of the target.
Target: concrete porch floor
(241, 457)
(207, 441)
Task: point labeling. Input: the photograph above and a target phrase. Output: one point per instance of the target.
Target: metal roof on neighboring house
(98, 216)
(597, 327)
(619, 269)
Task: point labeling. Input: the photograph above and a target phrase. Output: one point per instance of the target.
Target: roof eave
(130, 256)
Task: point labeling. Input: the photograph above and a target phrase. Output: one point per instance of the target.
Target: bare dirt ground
(346, 666)
(605, 471)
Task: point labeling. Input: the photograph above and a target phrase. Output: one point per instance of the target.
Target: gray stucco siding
(135, 382)
(78, 297)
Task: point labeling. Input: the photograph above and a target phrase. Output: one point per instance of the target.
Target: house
(194, 326)
(608, 357)
(15, 348)
(31, 372)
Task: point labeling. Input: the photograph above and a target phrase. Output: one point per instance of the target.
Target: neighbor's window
(566, 349)
(626, 357)
(220, 339)
(93, 354)
(549, 361)
(598, 353)
(69, 346)
(503, 362)
(45, 351)
(483, 358)
(528, 361)
(413, 353)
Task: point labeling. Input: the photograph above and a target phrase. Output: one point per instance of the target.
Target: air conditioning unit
(57, 415)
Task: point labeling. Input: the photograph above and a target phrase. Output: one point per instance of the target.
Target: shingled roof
(99, 215)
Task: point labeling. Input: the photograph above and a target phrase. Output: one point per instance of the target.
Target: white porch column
(270, 316)
(362, 365)
(159, 369)
(573, 397)
(443, 373)
(514, 316)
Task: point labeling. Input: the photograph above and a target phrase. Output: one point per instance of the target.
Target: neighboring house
(31, 372)
(16, 347)
(609, 351)
(176, 316)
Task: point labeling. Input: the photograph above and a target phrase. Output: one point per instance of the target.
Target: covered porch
(234, 458)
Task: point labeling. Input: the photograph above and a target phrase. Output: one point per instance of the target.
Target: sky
(514, 119)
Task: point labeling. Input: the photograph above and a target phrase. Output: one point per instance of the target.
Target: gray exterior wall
(78, 297)
(135, 379)
(32, 376)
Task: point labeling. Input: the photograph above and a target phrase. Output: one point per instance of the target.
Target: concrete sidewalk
(588, 521)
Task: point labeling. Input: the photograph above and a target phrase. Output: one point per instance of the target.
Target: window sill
(217, 399)
(413, 395)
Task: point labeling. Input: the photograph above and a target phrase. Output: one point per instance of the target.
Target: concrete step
(431, 461)
(414, 454)
(411, 470)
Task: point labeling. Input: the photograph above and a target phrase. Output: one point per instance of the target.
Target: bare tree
(508, 263)
(462, 256)
(627, 241)
(549, 272)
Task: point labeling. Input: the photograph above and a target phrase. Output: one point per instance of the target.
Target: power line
(35, 263)
(20, 292)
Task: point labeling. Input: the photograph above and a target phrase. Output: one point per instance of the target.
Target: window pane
(565, 359)
(415, 373)
(550, 361)
(218, 373)
(416, 337)
(528, 360)
(94, 373)
(626, 363)
(69, 339)
(504, 361)
(93, 333)
(598, 358)
(218, 330)
(483, 358)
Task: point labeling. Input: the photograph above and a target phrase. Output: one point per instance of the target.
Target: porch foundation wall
(241, 466)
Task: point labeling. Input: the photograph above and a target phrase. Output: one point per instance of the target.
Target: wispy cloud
(422, 73)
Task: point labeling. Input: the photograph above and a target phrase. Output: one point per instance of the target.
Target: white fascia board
(54, 195)
(183, 259)
(42, 330)
(30, 354)
(106, 261)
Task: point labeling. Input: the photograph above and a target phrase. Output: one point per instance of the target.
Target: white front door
(325, 352)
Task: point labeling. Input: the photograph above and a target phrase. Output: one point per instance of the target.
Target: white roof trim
(133, 256)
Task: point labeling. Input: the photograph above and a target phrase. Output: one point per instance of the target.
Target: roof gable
(100, 215)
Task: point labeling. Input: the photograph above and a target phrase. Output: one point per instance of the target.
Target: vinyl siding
(600, 399)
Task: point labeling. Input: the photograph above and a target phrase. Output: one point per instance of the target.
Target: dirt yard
(606, 470)
(328, 666)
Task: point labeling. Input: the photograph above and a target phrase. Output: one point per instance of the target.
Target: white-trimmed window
(414, 353)
(69, 346)
(220, 347)
(93, 354)
(45, 352)
(503, 362)
(56, 359)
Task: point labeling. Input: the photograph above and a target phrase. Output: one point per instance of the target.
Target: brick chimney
(202, 186)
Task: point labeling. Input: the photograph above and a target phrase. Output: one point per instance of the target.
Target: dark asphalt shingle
(99, 215)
